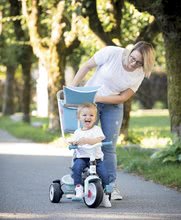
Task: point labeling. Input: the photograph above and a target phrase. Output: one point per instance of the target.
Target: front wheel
(95, 194)
(55, 192)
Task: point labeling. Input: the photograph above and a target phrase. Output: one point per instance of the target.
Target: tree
(112, 22)
(49, 43)
(24, 57)
(168, 17)
(8, 59)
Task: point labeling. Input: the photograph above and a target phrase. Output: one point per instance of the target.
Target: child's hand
(83, 141)
(73, 142)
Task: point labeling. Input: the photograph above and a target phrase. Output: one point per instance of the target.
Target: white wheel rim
(92, 193)
(51, 192)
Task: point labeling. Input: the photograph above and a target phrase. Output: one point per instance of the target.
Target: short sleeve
(104, 54)
(98, 132)
(136, 85)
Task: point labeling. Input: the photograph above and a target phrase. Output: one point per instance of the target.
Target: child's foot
(105, 201)
(78, 192)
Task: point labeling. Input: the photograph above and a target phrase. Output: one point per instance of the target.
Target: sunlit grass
(150, 128)
(23, 130)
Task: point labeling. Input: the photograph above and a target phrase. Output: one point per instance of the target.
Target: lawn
(149, 132)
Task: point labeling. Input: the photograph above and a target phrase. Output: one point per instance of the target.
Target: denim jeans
(81, 163)
(110, 117)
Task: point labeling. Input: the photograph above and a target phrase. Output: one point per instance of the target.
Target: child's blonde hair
(86, 105)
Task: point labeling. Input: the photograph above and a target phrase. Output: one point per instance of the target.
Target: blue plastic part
(74, 199)
(68, 117)
(72, 147)
(108, 189)
(74, 96)
(106, 143)
(79, 95)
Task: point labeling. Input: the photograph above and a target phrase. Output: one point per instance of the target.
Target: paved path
(27, 169)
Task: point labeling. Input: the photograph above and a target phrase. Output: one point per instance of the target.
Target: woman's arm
(116, 99)
(83, 71)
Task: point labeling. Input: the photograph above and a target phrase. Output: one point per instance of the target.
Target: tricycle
(68, 101)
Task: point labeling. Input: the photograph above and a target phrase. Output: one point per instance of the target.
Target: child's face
(87, 117)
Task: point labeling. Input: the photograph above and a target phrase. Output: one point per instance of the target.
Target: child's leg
(78, 167)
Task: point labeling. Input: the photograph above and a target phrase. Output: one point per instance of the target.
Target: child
(88, 134)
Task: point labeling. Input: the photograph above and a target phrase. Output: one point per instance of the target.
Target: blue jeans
(81, 163)
(110, 117)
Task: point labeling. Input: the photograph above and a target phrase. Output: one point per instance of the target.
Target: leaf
(179, 158)
(169, 159)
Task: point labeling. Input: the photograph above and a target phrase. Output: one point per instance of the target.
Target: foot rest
(76, 199)
(108, 189)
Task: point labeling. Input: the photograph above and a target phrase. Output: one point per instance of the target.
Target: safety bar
(106, 143)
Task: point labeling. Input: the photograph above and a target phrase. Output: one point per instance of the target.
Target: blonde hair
(86, 105)
(147, 51)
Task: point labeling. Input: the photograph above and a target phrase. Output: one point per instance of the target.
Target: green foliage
(26, 131)
(149, 130)
(132, 23)
(170, 154)
(160, 52)
(137, 160)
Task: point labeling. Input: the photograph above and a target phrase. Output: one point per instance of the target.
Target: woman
(119, 73)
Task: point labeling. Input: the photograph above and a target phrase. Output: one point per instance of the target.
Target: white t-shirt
(82, 152)
(110, 74)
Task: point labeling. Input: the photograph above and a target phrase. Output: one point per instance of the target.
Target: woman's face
(135, 60)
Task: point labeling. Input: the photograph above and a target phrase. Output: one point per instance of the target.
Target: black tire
(55, 192)
(95, 194)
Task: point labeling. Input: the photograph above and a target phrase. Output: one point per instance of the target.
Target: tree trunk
(26, 67)
(173, 51)
(8, 99)
(126, 119)
(56, 82)
(168, 16)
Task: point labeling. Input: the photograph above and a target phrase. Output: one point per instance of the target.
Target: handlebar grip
(106, 143)
(73, 147)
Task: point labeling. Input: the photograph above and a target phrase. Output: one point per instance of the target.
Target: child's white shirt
(84, 151)
(110, 74)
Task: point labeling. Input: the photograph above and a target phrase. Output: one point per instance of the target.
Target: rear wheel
(55, 192)
(95, 194)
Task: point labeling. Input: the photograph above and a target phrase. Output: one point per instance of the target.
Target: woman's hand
(98, 98)
(115, 99)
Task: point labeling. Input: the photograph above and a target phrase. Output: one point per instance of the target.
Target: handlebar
(106, 143)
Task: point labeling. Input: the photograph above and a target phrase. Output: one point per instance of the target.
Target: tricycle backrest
(68, 103)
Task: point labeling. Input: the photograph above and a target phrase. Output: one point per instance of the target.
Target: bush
(172, 153)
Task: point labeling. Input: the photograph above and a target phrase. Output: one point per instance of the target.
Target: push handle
(106, 143)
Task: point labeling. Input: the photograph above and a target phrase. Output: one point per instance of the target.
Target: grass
(148, 129)
(23, 130)
(137, 160)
